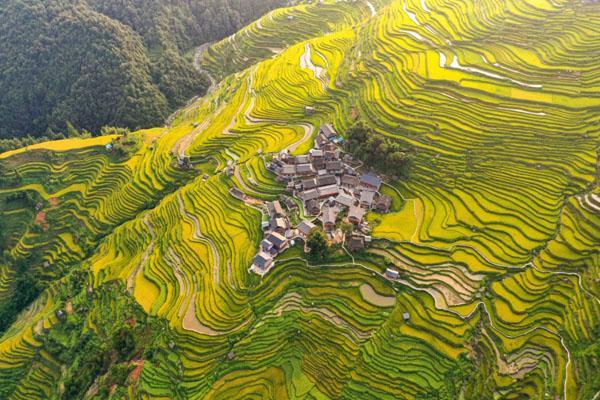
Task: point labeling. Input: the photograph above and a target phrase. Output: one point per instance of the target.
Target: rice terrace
(383, 199)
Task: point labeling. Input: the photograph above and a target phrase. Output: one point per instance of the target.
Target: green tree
(347, 228)
(71, 131)
(317, 243)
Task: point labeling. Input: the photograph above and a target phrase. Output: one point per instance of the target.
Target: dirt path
(197, 64)
(372, 8)
(185, 142)
(308, 132)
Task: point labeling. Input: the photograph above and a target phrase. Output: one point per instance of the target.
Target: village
(333, 195)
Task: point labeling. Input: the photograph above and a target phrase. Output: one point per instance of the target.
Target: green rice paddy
(496, 234)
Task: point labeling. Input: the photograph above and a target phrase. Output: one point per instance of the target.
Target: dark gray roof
(326, 180)
(356, 242)
(302, 168)
(328, 131)
(367, 197)
(345, 200)
(371, 180)
(305, 227)
(312, 204)
(329, 215)
(349, 180)
(302, 159)
(308, 184)
(384, 201)
(262, 259)
(309, 195)
(356, 212)
(333, 165)
(288, 169)
(327, 191)
(276, 239)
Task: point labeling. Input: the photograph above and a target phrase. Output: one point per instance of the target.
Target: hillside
(125, 275)
(95, 63)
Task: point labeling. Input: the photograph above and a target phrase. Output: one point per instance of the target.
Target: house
(308, 195)
(329, 146)
(406, 316)
(349, 181)
(312, 207)
(279, 241)
(263, 260)
(289, 203)
(279, 225)
(288, 171)
(334, 167)
(308, 110)
(366, 199)
(326, 180)
(356, 242)
(328, 131)
(383, 204)
(274, 167)
(304, 159)
(305, 227)
(275, 210)
(345, 200)
(328, 218)
(308, 184)
(331, 155)
(265, 225)
(237, 193)
(319, 164)
(316, 154)
(305, 170)
(356, 214)
(370, 181)
(328, 191)
(320, 141)
(392, 273)
(266, 246)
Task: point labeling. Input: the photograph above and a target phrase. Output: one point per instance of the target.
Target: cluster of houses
(330, 189)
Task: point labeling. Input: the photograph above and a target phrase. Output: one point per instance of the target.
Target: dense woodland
(378, 152)
(99, 62)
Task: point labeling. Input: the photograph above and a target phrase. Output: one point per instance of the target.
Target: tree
(317, 243)
(347, 228)
(376, 151)
(71, 131)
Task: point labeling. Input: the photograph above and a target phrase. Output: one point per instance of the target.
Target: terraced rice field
(496, 232)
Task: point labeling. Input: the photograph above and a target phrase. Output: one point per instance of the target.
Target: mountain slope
(495, 230)
(95, 63)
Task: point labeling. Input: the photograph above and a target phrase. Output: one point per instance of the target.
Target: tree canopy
(377, 151)
(99, 62)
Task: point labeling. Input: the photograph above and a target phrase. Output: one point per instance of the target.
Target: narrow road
(197, 64)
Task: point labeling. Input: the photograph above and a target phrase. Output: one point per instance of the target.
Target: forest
(97, 62)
